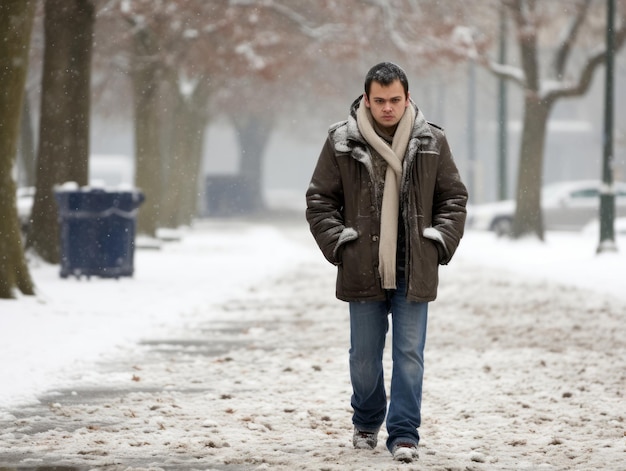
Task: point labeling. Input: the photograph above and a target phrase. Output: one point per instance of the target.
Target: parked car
(566, 206)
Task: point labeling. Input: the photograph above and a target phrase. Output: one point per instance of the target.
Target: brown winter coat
(344, 216)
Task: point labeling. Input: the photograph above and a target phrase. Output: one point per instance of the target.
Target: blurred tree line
(176, 65)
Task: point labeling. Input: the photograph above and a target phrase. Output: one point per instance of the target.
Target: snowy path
(519, 375)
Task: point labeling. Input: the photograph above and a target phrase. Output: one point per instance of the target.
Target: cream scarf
(391, 195)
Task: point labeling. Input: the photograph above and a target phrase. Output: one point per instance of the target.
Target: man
(386, 205)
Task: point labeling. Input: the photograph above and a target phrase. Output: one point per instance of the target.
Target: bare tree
(250, 60)
(543, 87)
(63, 152)
(146, 87)
(16, 19)
(188, 124)
(171, 84)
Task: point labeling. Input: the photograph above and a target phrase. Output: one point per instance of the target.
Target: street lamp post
(502, 115)
(607, 193)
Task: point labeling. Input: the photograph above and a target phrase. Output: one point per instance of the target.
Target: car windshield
(584, 193)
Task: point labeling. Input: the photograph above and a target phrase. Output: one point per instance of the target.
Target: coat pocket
(357, 269)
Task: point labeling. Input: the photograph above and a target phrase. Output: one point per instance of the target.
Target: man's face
(387, 103)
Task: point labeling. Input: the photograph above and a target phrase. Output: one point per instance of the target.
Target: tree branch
(524, 16)
(568, 39)
(305, 26)
(389, 17)
(586, 75)
(504, 71)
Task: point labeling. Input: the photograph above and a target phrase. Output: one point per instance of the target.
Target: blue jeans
(369, 324)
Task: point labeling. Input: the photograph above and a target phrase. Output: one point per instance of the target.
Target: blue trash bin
(97, 230)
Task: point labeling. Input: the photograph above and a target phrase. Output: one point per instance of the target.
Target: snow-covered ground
(72, 321)
(228, 350)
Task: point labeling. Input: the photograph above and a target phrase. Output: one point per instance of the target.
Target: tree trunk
(148, 164)
(189, 202)
(27, 150)
(16, 19)
(528, 216)
(189, 121)
(63, 153)
(253, 134)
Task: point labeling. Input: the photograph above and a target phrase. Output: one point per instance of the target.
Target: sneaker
(405, 452)
(364, 440)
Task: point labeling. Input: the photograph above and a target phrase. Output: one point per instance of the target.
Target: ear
(366, 100)
(408, 99)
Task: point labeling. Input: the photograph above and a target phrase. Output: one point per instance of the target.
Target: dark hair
(386, 73)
